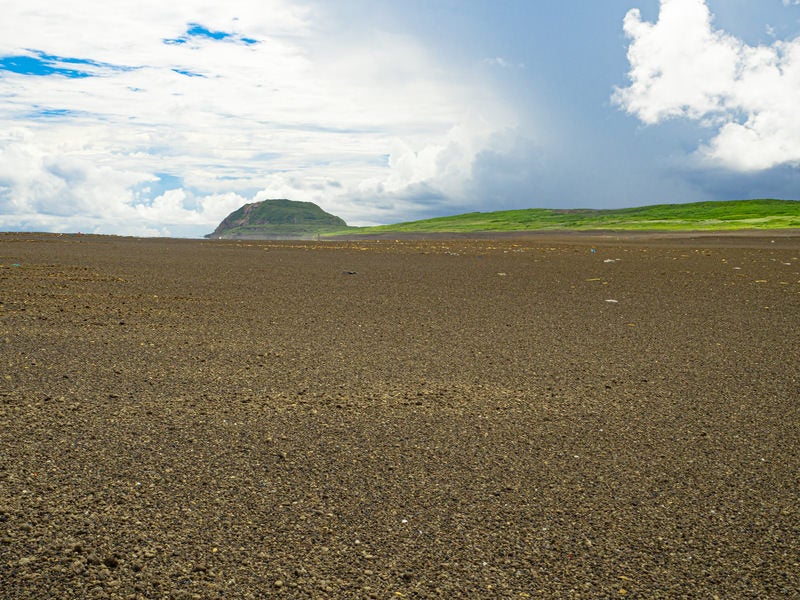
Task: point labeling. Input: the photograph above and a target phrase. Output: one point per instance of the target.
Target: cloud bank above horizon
(147, 116)
(152, 118)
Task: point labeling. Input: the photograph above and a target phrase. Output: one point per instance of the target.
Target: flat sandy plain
(508, 418)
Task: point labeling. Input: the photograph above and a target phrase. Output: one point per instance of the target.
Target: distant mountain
(277, 219)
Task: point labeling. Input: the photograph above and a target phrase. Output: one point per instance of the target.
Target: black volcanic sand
(412, 419)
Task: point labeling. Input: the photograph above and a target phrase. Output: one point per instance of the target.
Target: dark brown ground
(198, 419)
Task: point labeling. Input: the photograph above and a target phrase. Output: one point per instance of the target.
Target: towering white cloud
(138, 115)
(681, 66)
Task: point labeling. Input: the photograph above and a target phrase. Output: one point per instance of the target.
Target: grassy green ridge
(697, 216)
(278, 218)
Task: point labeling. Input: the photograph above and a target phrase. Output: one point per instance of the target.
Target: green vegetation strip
(708, 216)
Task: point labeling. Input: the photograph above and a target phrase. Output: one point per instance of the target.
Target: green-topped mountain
(696, 216)
(277, 219)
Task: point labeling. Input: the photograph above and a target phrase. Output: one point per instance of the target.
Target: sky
(160, 118)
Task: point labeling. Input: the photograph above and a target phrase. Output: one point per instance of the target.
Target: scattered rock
(442, 435)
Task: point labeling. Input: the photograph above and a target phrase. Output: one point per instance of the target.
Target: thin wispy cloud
(499, 61)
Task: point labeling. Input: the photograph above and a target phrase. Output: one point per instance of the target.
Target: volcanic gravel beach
(576, 416)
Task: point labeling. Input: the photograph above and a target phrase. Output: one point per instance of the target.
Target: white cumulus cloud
(682, 66)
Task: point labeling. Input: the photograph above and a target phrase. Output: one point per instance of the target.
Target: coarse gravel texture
(549, 416)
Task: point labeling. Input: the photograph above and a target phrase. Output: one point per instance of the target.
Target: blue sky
(153, 118)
